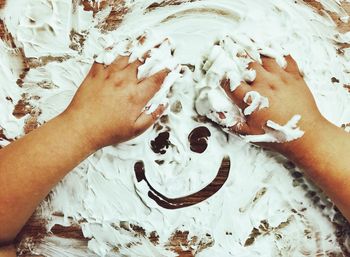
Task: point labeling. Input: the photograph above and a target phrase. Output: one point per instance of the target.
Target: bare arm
(323, 151)
(324, 155)
(8, 251)
(106, 110)
(31, 166)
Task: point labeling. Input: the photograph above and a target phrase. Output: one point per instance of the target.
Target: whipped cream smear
(264, 208)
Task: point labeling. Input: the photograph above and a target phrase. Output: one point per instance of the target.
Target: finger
(292, 66)
(261, 73)
(238, 94)
(240, 128)
(132, 68)
(95, 69)
(151, 85)
(144, 121)
(270, 64)
(120, 63)
(134, 65)
(147, 55)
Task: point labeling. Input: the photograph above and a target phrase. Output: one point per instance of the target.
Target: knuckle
(276, 78)
(290, 77)
(117, 80)
(134, 97)
(113, 66)
(272, 86)
(108, 74)
(286, 78)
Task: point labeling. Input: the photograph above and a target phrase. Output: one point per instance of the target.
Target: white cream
(276, 133)
(10, 94)
(159, 59)
(255, 102)
(211, 39)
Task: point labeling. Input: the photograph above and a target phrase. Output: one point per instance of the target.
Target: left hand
(108, 106)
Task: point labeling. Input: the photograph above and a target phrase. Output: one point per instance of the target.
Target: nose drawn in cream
(186, 201)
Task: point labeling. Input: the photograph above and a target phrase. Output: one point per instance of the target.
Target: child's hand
(288, 95)
(107, 108)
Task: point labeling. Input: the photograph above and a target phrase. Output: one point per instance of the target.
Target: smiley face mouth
(190, 200)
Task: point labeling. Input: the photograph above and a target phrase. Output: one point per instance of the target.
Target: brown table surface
(35, 228)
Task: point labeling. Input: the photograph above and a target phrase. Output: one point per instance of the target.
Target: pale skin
(32, 165)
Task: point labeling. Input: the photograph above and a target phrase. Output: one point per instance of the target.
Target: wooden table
(35, 228)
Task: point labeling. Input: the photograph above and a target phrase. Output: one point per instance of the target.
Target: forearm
(324, 149)
(31, 166)
(324, 155)
(107, 109)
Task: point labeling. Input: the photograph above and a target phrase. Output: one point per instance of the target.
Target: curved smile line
(195, 198)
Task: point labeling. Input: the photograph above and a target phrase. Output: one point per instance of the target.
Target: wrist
(79, 129)
(315, 131)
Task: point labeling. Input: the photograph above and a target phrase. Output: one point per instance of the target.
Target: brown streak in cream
(115, 17)
(218, 12)
(165, 3)
(195, 198)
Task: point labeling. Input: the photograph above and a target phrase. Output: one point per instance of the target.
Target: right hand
(288, 95)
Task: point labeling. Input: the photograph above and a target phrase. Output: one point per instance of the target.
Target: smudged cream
(264, 208)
